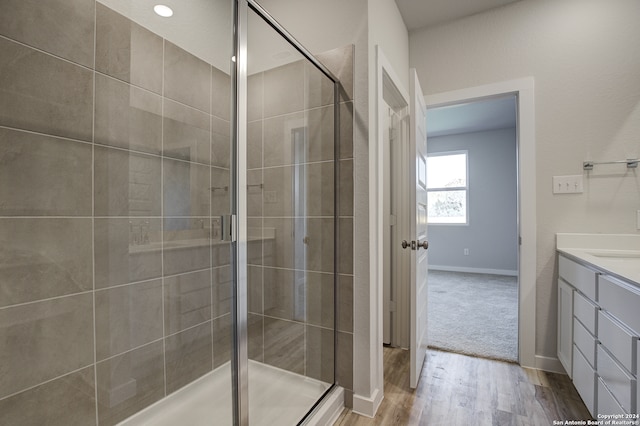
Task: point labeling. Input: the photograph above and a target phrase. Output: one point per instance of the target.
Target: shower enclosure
(168, 212)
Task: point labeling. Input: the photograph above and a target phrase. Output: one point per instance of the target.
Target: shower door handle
(228, 225)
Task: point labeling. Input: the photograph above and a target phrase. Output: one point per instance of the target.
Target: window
(447, 188)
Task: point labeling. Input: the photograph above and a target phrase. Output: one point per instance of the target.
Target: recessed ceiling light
(162, 10)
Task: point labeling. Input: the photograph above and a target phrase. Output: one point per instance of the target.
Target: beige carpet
(474, 314)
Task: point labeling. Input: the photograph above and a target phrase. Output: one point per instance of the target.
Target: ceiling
(477, 116)
(427, 13)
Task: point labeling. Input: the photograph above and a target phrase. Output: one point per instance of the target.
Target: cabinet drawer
(621, 385)
(618, 340)
(579, 276)
(607, 404)
(621, 299)
(586, 311)
(584, 379)
(585, 342)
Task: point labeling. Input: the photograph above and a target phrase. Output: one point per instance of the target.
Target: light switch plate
(571, 184)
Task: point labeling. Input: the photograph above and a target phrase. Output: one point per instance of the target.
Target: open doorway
(401, 267)
(395, 134)
(473, 221)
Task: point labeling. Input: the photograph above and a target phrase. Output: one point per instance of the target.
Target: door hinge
(393, 221)
(392, 306)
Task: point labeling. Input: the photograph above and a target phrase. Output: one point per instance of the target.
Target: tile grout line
(162, 213)
(93, 220)
(97, 290)
(304, 191)
(53, 379)
(211, 115)
(35, 132)
(264, 359)
(39, 50)
(160, 95)
(18, 305)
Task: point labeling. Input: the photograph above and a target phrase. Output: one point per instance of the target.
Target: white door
(418, 229)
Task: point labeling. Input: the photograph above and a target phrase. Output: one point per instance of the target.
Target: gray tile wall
(112, 293)
(113, 166)
(291, 297)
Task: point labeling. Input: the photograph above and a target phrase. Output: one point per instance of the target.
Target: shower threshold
(276, 396)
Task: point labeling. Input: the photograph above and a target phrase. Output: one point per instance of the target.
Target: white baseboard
(367, 406)
(330, 410)
(550, 364)
(474, 270)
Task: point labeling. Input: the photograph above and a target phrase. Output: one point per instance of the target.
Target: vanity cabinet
(598, 329)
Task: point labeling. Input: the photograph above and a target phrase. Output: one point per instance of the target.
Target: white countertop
(618, 254)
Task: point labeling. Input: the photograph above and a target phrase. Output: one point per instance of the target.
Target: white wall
(387, 30)
(585, 58)
(491, 235)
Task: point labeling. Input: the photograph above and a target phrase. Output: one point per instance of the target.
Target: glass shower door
(290, 216)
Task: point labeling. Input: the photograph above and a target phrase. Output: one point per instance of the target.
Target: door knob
(411, 244)
(415, 245)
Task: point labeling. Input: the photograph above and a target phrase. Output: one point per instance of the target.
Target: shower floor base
(275, 397)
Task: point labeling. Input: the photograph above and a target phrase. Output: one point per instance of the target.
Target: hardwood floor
(461, 390)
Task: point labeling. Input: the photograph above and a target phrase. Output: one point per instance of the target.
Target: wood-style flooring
(457, 389)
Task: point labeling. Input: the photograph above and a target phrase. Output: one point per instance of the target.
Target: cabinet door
(565, 325)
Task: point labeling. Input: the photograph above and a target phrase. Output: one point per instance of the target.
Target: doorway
(523, 89)
(472, 191)
(395, 139)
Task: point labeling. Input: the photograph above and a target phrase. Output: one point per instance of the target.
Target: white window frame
(452, 188)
